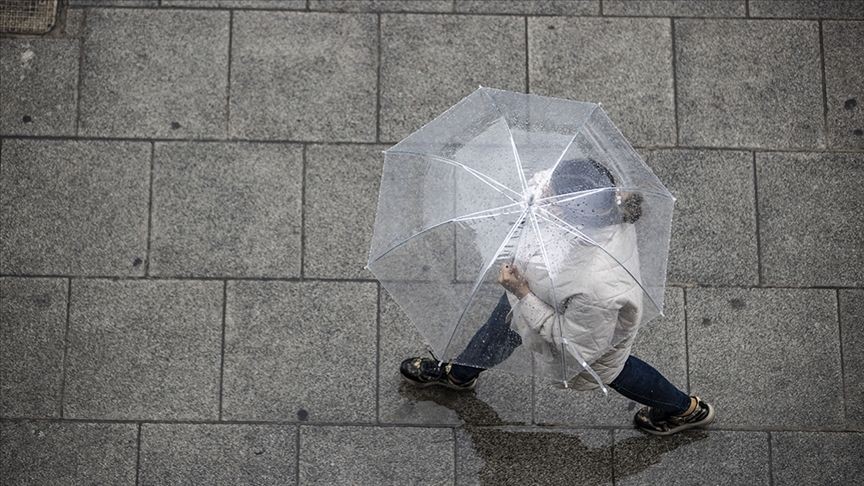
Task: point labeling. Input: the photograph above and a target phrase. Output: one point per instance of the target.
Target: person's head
(604, 207)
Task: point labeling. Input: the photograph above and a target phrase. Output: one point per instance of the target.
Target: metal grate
(27, 16)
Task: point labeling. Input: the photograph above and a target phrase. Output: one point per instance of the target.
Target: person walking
(601, 303)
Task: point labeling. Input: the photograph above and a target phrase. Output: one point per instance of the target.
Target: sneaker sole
(419, 384)
(704, 422)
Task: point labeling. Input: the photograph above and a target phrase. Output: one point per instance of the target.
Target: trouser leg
(490, 345)
(640, 382)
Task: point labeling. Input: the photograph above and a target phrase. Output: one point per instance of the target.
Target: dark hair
(575, 175)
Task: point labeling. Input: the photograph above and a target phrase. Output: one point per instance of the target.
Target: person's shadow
(499, 453)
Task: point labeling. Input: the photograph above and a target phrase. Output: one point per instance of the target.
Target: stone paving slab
(226, 209)
(38, 86)
(73, 207)
(595, 59)
(714, 226)
(852, 333)
(154, 73)
(145, 350)
(530, 7)
(676, 8)
(304, 76)
(767, 357)
(523, 455)
(817, 458)
(289, 345)
(810, 219)
(32, 337)
(376, 455)
(749, 83)
(499, 397)
(661, 343)
(52, 453)
(113, 3)
(382, 5)
(341, 199)
(844, 83)
(218, 454)
(429, 63)
(850, 9)
(693, 457)
(268, 4)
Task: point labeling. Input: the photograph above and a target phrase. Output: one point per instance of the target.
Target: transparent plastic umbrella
(478, 187)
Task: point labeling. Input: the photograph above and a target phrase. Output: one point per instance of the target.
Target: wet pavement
(187, 193)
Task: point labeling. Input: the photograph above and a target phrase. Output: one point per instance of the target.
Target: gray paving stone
(266, 4)
(304, 76)
(817, 458)
(54, 453)
(38, 86)
(530, 7)
(693, 457)
(661, 343)
(218, 454)
(429, 63)
(142, 349)
(848, 9)
(499, 397)
(226, 209)
(810, 219)
(382, 5)
(625, 64)
(852, 335)
(749, 83)
(376, 455)
(714, 228)
(154, 73)
(766, 357)
(73, 207)
(341, 198)
(521, 455)
(288, 346)
(844, 84)
(676, 8)
(32, 330)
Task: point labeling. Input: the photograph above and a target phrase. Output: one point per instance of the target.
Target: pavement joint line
(372, 425)
(65, 346)
(378, 355)
(81, 33)
(373, 281)
(799, 150)
(686, 343)
(824, 86)
(612, 454)
(459, 13)
(842, 358)
(760, 279)
(303, 156)
(138, 455)
(770, 461)
(455, 456)
(378, 84)
(222, 347)
(527, 60)
(228, 81)
(675, 83)
(746, 8)
(147, 256)
(297, 455)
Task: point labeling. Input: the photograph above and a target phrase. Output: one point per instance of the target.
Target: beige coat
(601, 303)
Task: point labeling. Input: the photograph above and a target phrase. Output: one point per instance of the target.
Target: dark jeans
(638, 381)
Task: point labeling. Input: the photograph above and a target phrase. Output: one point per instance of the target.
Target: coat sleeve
(586, 327)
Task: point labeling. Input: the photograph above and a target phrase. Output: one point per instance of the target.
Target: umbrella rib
(519, 167)
(564, 226)
(486, 213)
(570, 196)
(573, 138)
(506, 191)
(480, 279)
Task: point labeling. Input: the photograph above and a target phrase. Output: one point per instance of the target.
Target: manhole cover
(27, 16)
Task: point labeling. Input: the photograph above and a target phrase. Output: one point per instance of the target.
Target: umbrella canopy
(545, 184)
